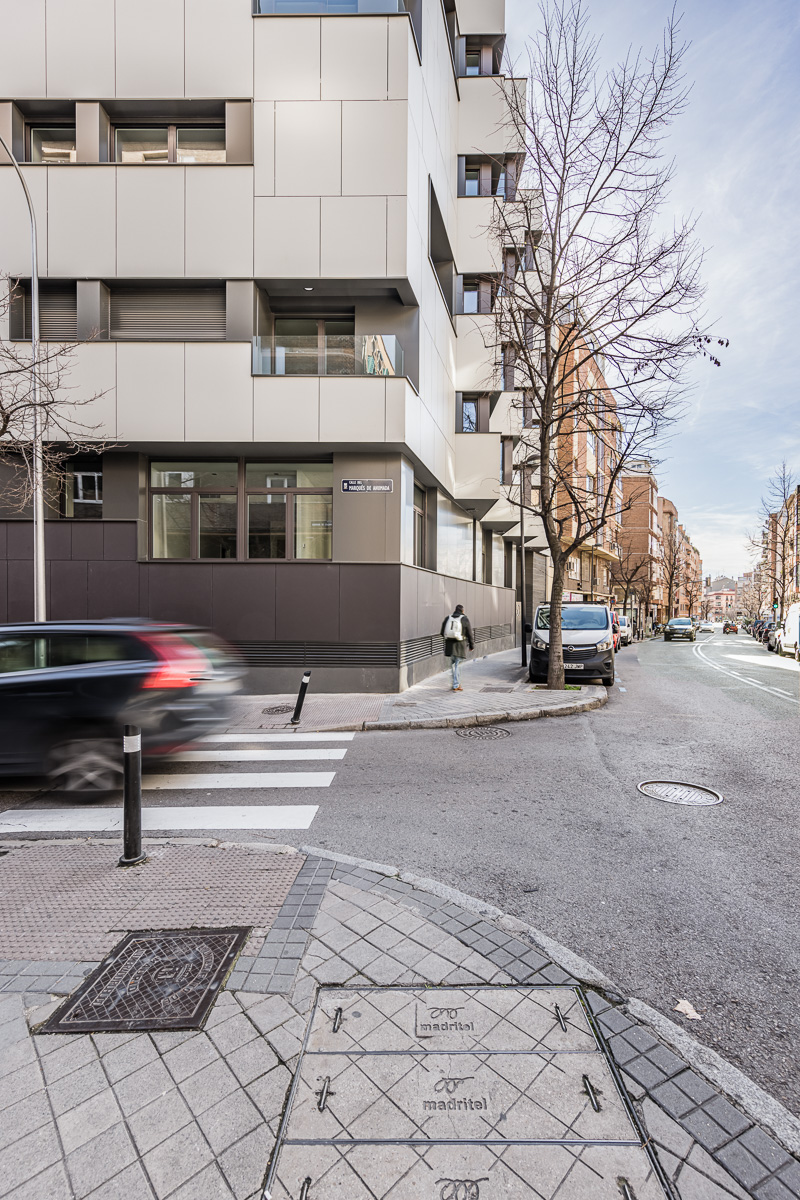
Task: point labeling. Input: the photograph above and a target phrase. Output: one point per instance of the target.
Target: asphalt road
(672, 902)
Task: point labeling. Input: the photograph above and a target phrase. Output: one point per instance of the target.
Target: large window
(83, 491)
(241, 510)
(53, 144)
(170, 144)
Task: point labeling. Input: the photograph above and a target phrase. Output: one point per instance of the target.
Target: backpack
(453, 629)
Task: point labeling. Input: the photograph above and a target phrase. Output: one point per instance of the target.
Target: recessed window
(83, 493)
(53, 144)
(469, 416)
(238, 510)
(420, 499)
(170, 144)
(471, 296)
(472, 62)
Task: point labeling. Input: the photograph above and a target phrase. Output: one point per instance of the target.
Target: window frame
(172, 128)
(241, 491)
(30, 126)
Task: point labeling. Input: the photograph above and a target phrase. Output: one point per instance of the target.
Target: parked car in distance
(706, 627)
(67, 689)
(680, 627)
(774, 637)
(730, 627)
(756, 627)
(587, 640)
(765, 631)
(789, 642)
(625, 631)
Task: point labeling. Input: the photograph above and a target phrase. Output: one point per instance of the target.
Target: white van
(788, 639)
(625, 631)
(587, 640)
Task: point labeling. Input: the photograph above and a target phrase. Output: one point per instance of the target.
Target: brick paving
(70, 901)
(190, 1116)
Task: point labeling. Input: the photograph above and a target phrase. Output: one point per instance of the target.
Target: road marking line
(623, 689)
(255, 755)
(106, 820)
(240, 779)
(698, 650)
(279, 737)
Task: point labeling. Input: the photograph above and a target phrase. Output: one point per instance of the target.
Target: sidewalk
(496, 688)
(359, 951)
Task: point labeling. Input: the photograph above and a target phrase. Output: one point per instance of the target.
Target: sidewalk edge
(762, 1108)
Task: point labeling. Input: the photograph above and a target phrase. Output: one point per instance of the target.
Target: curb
(568, 709)
(763, 1109)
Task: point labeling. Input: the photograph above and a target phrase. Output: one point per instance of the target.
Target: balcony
(325, 8)
(337, 354)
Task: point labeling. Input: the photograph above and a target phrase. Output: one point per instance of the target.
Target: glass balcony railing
(325, 8)
(337, 354)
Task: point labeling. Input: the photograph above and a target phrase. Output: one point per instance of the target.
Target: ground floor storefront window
(238, 509)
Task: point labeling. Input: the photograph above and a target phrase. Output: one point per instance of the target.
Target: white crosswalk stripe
(238, 748)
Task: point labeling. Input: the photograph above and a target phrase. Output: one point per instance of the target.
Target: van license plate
(568, 666)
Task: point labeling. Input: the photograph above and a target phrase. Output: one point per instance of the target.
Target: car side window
(72, 649)
(17, 654)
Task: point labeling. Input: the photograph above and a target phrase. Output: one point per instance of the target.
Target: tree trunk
(555, 667)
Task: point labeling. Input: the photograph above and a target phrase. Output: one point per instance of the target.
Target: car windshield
(574, 616)
(680, 621)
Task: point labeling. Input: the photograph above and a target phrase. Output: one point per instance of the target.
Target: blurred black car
(68, 688)
(680, 627)
(756, 628)
(765, 630)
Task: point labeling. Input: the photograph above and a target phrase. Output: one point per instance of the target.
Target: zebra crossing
(254, 751)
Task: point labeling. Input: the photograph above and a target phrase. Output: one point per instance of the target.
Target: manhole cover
(679, 793)
(278, 710)
(486, 732)
(163, 980)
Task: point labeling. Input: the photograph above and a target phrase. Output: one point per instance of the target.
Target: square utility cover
(163, 979)
(473, 1093)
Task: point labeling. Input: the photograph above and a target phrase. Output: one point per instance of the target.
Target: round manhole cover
(487, 732)
(278, 710)
(679, 793)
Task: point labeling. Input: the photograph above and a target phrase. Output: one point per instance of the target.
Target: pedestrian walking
(457, 634)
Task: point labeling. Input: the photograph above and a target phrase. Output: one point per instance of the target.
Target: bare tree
(672, 566)
(596, 314)
(775, 544)
(629, 570)
(692, 589)
(59, 411)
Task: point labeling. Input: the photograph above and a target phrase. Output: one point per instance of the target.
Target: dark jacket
(454, 648)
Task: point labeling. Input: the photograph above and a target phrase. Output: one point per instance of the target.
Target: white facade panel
(396, 236)
(90, 404)
(374, 148)
(308, 148)
(150, 221)
(474, 248)
(352, 410)
(354, 58)
(286, 409)
(353, 237)
(22, 49)
(264, 147)
(481, 16)
(219, 222)
(80, 48)
(219, 393)
(150, 48)
(81, 222)
(287, 237)
(15, 225)
(483, 124)
(219, 49)
(474, 354)
(150, 391)
(401, 53)
(286, 58)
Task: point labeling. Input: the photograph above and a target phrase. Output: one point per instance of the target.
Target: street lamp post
(39, 594)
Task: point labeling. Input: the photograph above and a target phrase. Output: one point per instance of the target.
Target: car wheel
(610, 681)
(797, 653)
(89, 767)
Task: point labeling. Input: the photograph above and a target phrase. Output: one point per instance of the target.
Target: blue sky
(738, 168)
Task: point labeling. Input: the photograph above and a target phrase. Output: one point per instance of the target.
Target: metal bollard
(301, 695)
(132, 797)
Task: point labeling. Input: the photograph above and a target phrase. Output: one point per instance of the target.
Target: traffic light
(775, 605)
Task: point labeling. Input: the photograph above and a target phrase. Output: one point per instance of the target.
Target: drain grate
(278, 710)
(679, 793)
(490, 688)
(166, 979)
(484, 732)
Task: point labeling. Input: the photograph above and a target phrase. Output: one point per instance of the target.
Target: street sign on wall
(367, 485)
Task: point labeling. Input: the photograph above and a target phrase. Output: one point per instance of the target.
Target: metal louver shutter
(168, 314)
(58, 312)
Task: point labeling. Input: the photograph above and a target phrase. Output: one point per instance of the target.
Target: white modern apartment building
(264, 222)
